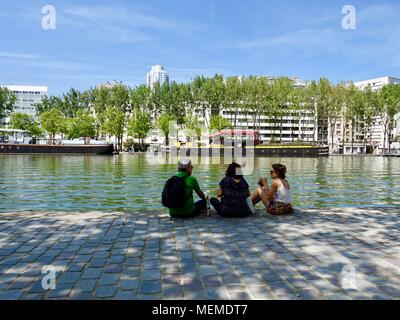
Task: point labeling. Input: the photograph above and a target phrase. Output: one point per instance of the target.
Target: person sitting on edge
(234, 191)
(178, 193)
(278, 198)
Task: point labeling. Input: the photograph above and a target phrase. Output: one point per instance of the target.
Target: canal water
(126, 182)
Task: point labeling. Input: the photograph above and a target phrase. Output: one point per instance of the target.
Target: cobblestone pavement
(330, 254)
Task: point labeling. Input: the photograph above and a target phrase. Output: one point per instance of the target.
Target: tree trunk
(332, 134)
(352, 136)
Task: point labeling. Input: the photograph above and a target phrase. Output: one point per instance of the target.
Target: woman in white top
(278, 198)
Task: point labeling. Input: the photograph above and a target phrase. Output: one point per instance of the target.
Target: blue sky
(105, 40)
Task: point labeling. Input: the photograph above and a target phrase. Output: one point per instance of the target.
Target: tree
(371, 101)
(99, 101)
(139, 126)
(163, 123)
(140, 99)
(334, 110)
(23, 121)
(48, 103)
(219, 123)
(7, 101)
(297, 105)
(114, 124)
(53, 122)
(322, 98)
(214, 91)
(194, 124)
(82, 125)
(282, 89)
(75, 101)
(391, 106)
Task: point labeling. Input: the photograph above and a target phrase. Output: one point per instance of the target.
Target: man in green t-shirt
(190, 209)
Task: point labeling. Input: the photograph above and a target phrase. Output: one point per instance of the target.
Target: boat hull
(298, 152)
(56, 149)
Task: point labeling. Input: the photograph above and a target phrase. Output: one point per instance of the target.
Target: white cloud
(118, 24)
(305, 38)
(381, 12)
(101, 14)
(23, 56)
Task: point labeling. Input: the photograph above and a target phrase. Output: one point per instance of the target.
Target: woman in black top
(234, 191)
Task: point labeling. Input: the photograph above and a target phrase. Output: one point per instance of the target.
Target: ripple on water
(81, 183)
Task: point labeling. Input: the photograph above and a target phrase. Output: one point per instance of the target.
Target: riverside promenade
(314, 254)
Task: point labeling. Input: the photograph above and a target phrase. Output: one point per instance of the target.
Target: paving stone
(69, 277)
(211, 281)
(129, 284)
(217, 293)
(192, 284)
(172, 291)
(105, 292)
(97, 263)
(82, 296)
(148, 257)
(132, 262)
(37, 287)
(391, 291)
(230, 278)
(150, 287)
(261, 292)
(61, 291)
(151, 275)
(86, 285)
(239, 295)
(113, 268)
(132, 271)
(11, 294)
(116, 259)
(125, 295)
(92, 273)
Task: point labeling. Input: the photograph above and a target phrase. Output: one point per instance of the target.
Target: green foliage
(163, 123)
(25, 122)
(218, 122)
(74, 101)
(139, 125)
(83, 125)
(53, 122)
(114, 123)
(113, 107)
(391, 98)
(7, 101)
(49, 103)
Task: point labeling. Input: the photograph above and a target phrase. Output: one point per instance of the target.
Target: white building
(377, 83)
(377, 130)
(27, 97)
(295, 125)
(157, 74)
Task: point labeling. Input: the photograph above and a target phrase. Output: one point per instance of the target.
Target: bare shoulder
(276, 183)
(286, 184)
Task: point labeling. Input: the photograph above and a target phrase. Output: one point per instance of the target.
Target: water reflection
(81, 183)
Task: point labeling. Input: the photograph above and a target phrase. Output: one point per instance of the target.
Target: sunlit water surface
(105, 183)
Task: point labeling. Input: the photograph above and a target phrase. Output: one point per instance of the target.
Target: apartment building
(27, 97)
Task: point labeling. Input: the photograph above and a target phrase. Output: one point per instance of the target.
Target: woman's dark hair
(233, 171)
(280, 169)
